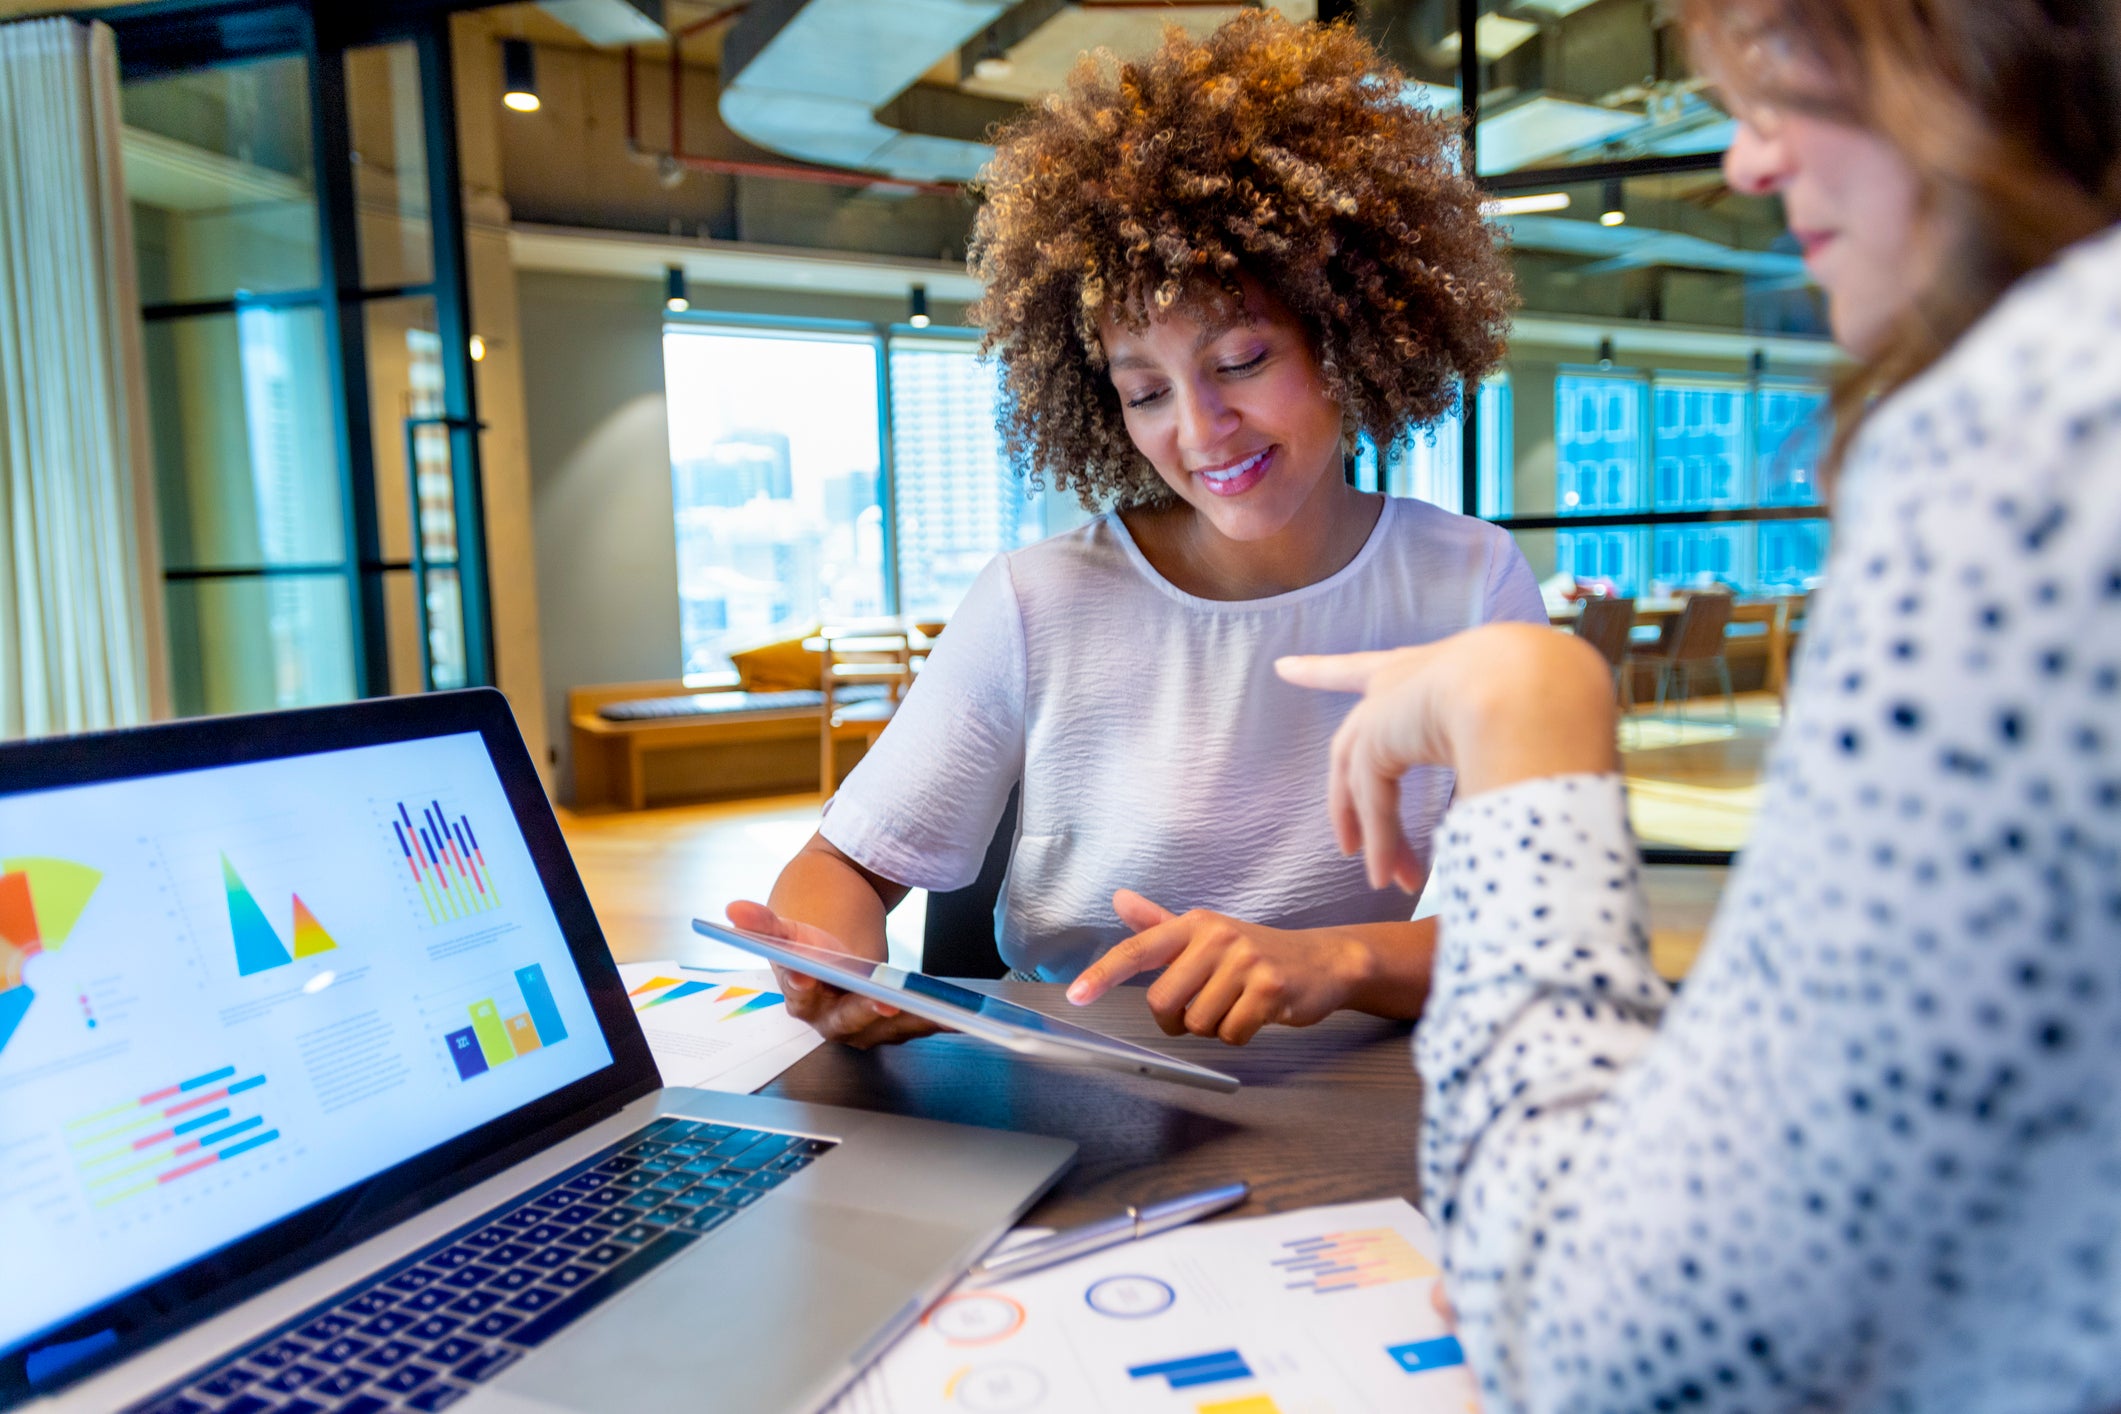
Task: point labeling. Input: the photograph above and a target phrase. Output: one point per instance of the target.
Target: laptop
(319, 1092)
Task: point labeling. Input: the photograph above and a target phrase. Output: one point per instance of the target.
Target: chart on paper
(727, 1031)
(1322, 1311)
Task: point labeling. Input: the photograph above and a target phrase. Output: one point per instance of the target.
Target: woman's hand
(1223, 976)
(1500, 704)
(837, 1015)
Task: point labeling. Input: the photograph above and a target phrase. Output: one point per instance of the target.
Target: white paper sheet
(1320, 1311)
(715, 1030)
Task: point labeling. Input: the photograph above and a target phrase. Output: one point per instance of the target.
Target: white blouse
(1870, 1157)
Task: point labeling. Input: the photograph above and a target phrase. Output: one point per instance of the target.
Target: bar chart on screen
(443, 866)
(518, 1018)
(186, 1131)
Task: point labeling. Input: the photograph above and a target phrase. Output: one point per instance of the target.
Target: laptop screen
(226, 994)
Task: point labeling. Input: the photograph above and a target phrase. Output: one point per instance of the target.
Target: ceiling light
(478, 348)
(919, 317)
(993, 61)
(674, 290)
(1614, 212)
(1525, 205)
(519, 75)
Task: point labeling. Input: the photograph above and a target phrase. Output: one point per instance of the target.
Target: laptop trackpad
(760, 1316)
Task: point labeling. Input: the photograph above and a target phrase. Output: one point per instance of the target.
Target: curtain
(81, 642)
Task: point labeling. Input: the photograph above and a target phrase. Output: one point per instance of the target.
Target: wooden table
(1328, 1113)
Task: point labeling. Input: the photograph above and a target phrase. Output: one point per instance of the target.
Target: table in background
(1328, 1113)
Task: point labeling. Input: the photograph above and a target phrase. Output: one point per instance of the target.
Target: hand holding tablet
(911, 996)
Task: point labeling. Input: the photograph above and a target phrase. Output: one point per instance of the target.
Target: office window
(1429, 465)
(1598, 442)
(774, 474)
(957, 503)
(1700, 443)
(1790, 432)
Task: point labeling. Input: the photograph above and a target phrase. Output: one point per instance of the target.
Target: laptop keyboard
(422, 1333)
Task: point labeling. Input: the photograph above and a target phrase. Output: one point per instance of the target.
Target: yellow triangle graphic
(310, 937)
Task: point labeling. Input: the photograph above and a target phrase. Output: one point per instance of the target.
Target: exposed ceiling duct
(804, 78)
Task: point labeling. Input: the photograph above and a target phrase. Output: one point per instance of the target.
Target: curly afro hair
(1285, 153)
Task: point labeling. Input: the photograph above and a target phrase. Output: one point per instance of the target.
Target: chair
(864, 670)
(1696, 638)
(958, 935)
(1605, 625)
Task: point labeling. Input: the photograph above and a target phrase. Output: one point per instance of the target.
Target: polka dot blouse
(1870, 1158)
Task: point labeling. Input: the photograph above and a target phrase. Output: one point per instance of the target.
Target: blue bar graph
(1420, 1356)
(537, 1000)
(1191, 1370)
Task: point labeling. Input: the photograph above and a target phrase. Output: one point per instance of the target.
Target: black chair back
(958, 940)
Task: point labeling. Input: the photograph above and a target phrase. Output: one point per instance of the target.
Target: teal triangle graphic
(258, 947)
(14, 1005)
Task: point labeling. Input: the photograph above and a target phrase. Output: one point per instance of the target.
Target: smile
(1239, 477)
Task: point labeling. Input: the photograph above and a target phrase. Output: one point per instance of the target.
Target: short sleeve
(921, 806)
(1512, 592)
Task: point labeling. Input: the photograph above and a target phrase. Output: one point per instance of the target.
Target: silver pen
(1109, 1232)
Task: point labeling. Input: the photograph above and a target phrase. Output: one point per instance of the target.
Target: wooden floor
(1691, 781)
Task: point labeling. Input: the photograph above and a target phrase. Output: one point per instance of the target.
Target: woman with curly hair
(1205, 273)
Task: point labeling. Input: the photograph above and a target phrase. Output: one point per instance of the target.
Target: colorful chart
(1190, 1370)
(40, 900)
(189, 1126)
(258, 944)
(1349, 1261)
(1251, 1404)
(1130, 1298)
(493, 1039)
(658, 990)
(447, 865)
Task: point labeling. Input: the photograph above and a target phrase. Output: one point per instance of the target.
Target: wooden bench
(631, 764)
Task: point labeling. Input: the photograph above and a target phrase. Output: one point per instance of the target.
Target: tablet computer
(1013, 1027)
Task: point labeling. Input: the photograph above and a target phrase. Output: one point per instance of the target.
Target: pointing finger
(1140, 953)
(1338, 672)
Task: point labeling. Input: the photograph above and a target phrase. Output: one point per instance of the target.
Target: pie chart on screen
(40, 900)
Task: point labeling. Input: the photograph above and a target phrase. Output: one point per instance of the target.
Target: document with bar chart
(228, 994)
(1321, 1311)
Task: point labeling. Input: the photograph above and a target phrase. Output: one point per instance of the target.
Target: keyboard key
(246, 1404)
(573, 1216)
(411, 1280)
(339, 1383)
(737, 1197)
(363, 1404)
(487, 1237)
(342, 1350)
(549, 1258)
(671, 1214)
(514, 1279)
(450, 1258)
(636, 1234)
(280, 1352)
(765, 1179)
(300, 1406)
(588, 1235)
(604, 1253)
(645, 1198)
(486, 1364)
(537, 1298)
(707, 1219)
(325, 1328)
(543, 1234)
(421, 1302)
(508, 1254)
(389, 1323)
(433, 1328)
(470, 1275)
(450, 1351)
(473, 1303)
(436, 1397)
(176, 1404)
(494, 1324)
(571, 1277)
(367, 1304)
(292, 1378)
(405, 1379)
(391, 1353)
